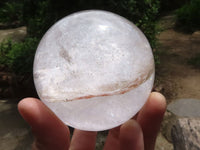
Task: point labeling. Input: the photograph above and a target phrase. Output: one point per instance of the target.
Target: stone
(167, 124)
(186, 134)
(162, 143)
(185, 107)
(94, 69)
(195, 36)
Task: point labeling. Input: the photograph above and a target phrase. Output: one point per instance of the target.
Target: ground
(175, 78)
(14, 132)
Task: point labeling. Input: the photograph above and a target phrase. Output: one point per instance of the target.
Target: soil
(14, 132)
(175, 77)
(16, 34)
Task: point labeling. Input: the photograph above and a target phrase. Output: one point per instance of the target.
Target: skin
(138, 133)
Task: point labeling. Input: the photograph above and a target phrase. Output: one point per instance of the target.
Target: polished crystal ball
(94, 69)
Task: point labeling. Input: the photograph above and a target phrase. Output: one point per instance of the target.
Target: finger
(112, 141)
(150, 118)
(49, 131)
(83, 140)
(131, 137)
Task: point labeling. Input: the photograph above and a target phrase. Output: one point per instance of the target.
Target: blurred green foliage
(39, 15)
(143, 13)
(18, 56)
(11, 12)
(188, 16)
(170, 5)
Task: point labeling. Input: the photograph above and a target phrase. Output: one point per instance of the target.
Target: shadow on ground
(14, 132)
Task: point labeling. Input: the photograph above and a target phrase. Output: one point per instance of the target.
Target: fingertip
(21, 105)
(26, 103)
(86, 140)
(131, 136)
(150, 118)
(48, 129)
(129, 125)
(158, 102)
(35, 112)
(159, 97)
(27, 107)
(130, 129)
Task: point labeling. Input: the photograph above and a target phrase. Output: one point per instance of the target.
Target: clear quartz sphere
(94, 69)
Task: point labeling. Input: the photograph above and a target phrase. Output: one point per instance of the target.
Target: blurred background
(171, 26)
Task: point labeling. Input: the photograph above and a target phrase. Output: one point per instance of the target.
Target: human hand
(51, 133)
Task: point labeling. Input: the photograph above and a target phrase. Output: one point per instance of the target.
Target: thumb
(49, 131)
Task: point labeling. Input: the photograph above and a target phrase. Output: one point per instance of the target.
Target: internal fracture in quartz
(93, 56)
